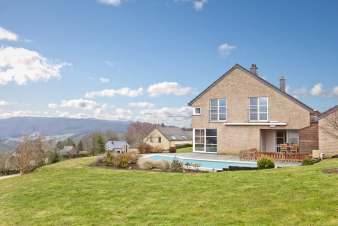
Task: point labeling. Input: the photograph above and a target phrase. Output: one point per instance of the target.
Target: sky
(145, 60)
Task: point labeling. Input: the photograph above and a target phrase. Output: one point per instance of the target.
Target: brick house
(328, 132)
(242, 111)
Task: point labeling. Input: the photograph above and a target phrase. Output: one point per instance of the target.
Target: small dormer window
(197, 111)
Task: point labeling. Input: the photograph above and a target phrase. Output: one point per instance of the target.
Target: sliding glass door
(205, 140)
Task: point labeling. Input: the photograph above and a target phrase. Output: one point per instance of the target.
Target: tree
(80, 146)
(29, 155)
(100, 144)
(137, 131)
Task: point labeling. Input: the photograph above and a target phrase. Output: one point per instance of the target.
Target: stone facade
(237, 86)
(328, 136)
(308, 138)
(157, 139)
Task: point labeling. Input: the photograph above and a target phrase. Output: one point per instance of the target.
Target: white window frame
(194, 112)
(218, 112)
(258, 110)
(205, 140)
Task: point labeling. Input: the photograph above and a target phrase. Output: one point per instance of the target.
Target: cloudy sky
(145, 60)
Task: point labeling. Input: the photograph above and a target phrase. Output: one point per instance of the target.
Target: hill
(12, 129)
(73, 193)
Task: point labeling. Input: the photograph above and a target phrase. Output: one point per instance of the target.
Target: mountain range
(12, 129)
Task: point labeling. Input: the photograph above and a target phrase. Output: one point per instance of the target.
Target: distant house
(117, 146)
(328, 134)
(67, 151)
(166, 137)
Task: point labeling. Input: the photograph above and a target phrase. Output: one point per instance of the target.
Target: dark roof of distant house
(237, 66)
(175, 133)
(328, 112)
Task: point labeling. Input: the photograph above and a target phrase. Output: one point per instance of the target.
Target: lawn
(184, 150)
(72, 193)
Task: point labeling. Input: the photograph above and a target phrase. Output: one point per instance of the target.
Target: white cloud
(104, 80)
(199, 4)
(335, 91)
(317, 90)
(52, 105)
(168, 88)
(20, 65)
(3, 103)
(111, 2)
(169, 115)
(7, 35)
(78, 103)
(141, 105)
(116, 92)
(225, 49)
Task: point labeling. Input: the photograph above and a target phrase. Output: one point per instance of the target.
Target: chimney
(254, 69)
(282, 83)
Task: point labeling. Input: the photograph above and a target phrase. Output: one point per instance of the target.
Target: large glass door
(280, 139)
(205, 140)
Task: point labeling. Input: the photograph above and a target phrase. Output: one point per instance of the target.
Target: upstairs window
(197, 111)
(258, 109)
(218, 110)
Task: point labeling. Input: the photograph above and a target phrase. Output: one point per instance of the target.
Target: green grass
(184, 150)
(72, 193)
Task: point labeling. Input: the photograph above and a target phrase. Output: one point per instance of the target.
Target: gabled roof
(328, 112)
(175, 133)
(237, 66)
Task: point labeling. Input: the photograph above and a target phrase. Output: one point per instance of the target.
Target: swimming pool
(208, 164)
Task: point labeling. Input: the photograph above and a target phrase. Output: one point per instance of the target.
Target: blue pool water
(206, 163)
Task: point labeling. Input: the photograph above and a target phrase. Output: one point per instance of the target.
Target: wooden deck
(277, 156)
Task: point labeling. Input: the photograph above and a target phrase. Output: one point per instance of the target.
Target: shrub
(265, 163)
(124, 161)
(176, 165)
(146, 148)
(309, 161)
(172, 149)
(119, 160)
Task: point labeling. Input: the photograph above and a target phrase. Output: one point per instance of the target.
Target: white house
(116, 146)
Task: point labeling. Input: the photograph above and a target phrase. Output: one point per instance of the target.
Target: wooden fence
(277, 156)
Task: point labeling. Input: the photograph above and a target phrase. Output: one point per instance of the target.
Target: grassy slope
(71, 193)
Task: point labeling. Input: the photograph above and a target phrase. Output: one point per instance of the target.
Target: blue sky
(72, 58)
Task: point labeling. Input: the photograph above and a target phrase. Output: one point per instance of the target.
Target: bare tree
(29, 155)
(137, 131)
(330, 126)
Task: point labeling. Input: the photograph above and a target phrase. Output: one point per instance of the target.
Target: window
(258, 109)
(159, 139)
(205, 140)
(197, 111)
(218, 110)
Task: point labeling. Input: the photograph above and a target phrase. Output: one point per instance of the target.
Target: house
(116, 146)
(243, 111)
(165, 137)
(328, 132)
(67, 151)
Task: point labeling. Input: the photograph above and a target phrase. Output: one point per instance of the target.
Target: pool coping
(277, 164)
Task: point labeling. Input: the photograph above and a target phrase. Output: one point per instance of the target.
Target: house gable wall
(237, 87)
(328, 143)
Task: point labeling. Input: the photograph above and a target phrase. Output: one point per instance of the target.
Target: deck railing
(277, 156)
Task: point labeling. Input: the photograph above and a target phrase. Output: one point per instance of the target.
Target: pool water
(209, 164)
